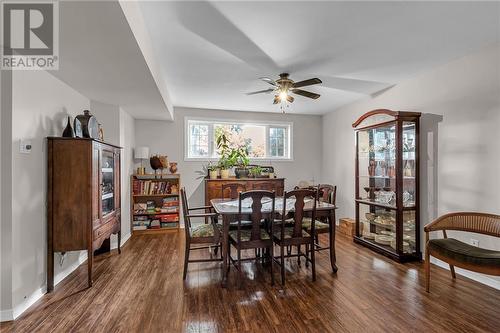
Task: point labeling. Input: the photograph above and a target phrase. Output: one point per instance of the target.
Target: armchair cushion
(203, 230)
(318, 225)
(288, 233)
(462, 252)
(246, 234)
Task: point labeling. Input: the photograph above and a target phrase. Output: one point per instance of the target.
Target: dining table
(228, 209)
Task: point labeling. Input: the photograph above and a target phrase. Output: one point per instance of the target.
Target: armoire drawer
(106, 229)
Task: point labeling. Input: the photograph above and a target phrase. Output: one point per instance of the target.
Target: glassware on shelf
(371, 168)
(407, 170)
(386, 197)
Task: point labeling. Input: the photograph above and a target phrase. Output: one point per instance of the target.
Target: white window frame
(268, 124)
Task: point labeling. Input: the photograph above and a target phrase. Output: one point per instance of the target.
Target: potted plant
(256, 171)
(213, 171)
(225, 164)
(241, 160)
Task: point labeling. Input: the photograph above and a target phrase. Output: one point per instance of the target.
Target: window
(261, 140)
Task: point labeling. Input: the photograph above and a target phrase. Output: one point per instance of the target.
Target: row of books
(143, 223)
(148, 187)
(168, 205)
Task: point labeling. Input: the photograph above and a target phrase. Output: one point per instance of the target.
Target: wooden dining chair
(259, 235)
(232, 190)
(200, 234)
(324, 193)
(293, 234)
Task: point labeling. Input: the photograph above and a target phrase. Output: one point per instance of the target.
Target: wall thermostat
(25, 146)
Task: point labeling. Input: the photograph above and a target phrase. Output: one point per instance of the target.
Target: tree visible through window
(277, 141)
(199, 142)
(261, 141)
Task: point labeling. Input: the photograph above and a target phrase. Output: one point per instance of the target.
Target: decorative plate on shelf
(369, 235)
(384, 239)
(406, 245)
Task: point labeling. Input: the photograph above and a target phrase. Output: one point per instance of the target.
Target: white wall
(41, 104)
(108, 116)
(460, 150)
(5, 195)
(127, 141)
(168, 138)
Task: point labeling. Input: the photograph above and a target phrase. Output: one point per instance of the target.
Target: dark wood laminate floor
(142, 290)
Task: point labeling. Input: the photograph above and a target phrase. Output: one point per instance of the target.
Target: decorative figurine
(173, 167)
(155, 163)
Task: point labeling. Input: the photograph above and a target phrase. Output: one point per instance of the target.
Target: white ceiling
(211, 54)
(100, 58)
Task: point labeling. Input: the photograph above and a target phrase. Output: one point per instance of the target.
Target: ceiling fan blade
(364, 87)
(268, 80)
(276, 100)
(304, 83)
(290, 99)
(305, 93)
(266, 91)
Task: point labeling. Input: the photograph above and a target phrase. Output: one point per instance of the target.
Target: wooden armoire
(83, 198)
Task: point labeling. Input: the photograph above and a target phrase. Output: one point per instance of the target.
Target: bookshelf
(155, 206)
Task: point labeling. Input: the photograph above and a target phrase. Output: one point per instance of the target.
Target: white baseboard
(481, 278)
(114, 241)
(63, 274)
(28, 301)
(8, 315)
(37, 294)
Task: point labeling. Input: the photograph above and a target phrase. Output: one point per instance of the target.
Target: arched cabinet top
(379, 116)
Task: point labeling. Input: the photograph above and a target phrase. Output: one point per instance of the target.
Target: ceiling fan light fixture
(284, 87)
(283, 95)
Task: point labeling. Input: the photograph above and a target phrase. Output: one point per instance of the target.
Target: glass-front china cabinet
(387, 183)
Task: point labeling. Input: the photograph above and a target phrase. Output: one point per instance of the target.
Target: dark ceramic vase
(86, 125)
(241, 172)
(68, 131)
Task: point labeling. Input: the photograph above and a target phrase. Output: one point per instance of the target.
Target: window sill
(252, 160)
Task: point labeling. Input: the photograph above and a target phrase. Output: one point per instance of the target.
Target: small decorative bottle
(68, 131)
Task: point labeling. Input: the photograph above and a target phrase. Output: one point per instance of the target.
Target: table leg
(333, 258)
(225, 248)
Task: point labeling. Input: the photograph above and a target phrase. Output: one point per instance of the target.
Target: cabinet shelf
(157, 195)
(383, 205)
(152, 214)
(385, 177)
(155, 231)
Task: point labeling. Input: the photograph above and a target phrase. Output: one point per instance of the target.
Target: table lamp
(141, 153)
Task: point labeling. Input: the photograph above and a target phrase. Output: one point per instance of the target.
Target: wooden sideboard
(213, 187)
(83, 199)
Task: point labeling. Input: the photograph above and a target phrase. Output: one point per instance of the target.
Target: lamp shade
(141, 153)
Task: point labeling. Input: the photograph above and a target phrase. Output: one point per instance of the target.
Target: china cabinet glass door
(107, 181)
(376, 165)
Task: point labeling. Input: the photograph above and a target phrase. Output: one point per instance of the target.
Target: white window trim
(289, 137)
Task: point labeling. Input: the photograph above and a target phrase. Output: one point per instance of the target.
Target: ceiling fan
(284, 86)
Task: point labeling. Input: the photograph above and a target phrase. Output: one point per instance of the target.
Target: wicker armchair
(460, 254)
